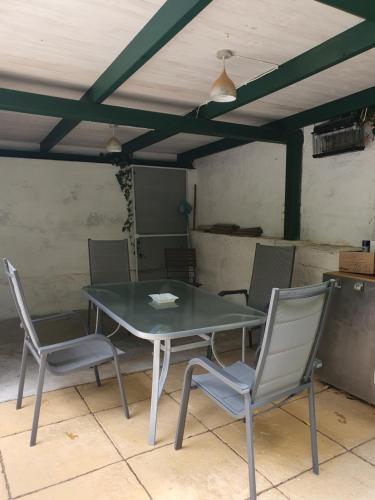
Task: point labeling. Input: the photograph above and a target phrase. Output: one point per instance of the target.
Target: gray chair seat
(224, 395)
(80, 356)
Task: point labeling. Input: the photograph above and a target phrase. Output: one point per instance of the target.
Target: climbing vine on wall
(125, 179)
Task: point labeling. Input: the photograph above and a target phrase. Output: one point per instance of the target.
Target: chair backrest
(272, 268)
(293, 329)
(109, 261)
(20, 302)
(181, 264)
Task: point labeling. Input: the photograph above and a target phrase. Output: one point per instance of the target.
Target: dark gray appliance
(347, 348)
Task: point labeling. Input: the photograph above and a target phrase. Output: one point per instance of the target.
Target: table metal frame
(162, 342)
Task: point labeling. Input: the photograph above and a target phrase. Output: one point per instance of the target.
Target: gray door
(159, 224)
(158, 193)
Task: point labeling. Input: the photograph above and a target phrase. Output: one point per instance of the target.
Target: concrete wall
(338, 196)
(245, 185)
(48, 210)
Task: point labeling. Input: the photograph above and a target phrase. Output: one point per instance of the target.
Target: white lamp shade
(223, 89)
(113, 145)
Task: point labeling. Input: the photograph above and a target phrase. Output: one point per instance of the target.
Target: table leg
(155, 393)
(243, 343)
(164, 370)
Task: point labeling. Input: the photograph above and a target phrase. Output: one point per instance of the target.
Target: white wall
(48, 210)
(243, 186)
(338, 196)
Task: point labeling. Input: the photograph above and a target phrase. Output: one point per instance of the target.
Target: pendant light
(113, 144)
(223, 89)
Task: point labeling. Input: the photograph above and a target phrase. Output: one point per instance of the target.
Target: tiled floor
(87, 449)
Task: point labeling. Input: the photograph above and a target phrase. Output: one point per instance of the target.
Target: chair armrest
(219, 373)
(60, 346)
(243, 291)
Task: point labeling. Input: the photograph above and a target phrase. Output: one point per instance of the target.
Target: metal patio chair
(181, 264)
(272, 268)
(109, 263)
(294, 326)
(60, 358)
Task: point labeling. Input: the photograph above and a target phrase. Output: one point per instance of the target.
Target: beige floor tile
(3, 489)
(130, 436)
(202, 407)
(344, 478)
(56, 406)
(137, 387)
(175, 376)
(63, 451)
(203, 468)
(366, 451)
(115, 482)
(273, 494)
(348, 421)
(281, 442)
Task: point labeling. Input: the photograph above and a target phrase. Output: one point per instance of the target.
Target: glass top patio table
(195, 312)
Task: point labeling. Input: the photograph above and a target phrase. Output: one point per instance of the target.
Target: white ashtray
(163, 298)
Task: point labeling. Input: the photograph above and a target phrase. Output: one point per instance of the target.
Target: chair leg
(97, 376)
(209, 352)
(183, 408)
(314, 443)
(250, 337)
(89, 317)
(250, 448)
(38, 400)
(121, 387)
(22, 376)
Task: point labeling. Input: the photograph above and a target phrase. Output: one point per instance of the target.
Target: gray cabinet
(347, 348)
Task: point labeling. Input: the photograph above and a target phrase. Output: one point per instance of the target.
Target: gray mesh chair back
(272, 268)
(294, 326)
(20, 303)
(290, 340)
(109, 261)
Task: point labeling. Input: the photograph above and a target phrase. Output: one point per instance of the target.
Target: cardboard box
(357, 262)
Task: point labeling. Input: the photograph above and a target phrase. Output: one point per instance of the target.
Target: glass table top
(195, 311)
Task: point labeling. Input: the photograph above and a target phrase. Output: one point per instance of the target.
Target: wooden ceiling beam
(353, 102)
(360, 8)
(171, 18)
(336, 50)
(103, 159)
(70, 109)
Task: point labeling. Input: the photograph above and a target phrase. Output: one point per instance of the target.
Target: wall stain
(341, 417)
(96, 219)
(73, 195)
(4, 217)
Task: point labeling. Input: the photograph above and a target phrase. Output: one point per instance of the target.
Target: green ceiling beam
(353, 102)
(360, 8)
(293, 185)
(104, 159)
(341, 47)
(171, 18)
(38, 104)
